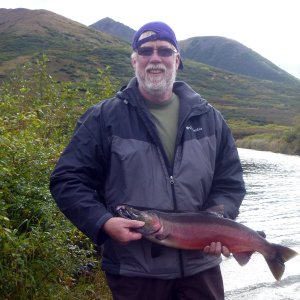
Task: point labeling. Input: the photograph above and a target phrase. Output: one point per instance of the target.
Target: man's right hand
(121, 230)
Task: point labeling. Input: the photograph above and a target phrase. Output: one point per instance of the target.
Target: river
(272, 204)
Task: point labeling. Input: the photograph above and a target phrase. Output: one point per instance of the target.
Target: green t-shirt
(166, 120)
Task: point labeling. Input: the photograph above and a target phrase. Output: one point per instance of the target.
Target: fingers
(216, 248)
(122, 230)
(225, 251)
(134, 223)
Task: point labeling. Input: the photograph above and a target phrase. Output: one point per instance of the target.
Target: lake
(272, 204)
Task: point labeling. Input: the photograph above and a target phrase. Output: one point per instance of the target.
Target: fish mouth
(152, 224)
(127, 213)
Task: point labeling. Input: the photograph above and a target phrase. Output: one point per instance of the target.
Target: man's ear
(177, 61)
(133, 62)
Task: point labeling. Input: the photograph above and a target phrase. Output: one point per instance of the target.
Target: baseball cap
(162, 32)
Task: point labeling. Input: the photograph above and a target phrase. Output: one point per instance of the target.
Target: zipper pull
(171, 179)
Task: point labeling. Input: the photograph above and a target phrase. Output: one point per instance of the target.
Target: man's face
(156, 72)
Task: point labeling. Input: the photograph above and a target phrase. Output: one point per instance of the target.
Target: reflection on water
(272, 204)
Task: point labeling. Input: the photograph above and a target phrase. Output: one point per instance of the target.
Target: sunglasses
(163, 51)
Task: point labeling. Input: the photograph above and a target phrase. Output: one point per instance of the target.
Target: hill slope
(232, 56)
(76, 51)
(117, 29)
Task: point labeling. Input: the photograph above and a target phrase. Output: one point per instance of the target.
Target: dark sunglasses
(163, 51)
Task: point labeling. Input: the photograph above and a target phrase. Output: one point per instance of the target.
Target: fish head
(151, 219)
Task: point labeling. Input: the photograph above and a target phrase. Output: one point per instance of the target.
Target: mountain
(75, 50)
(121, 31)
(250, 104)
(216, 51)
(232, 56)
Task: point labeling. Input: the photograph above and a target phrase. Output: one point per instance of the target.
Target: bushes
(39, 249)
(275, 138)
(287, 141)
(292, 137)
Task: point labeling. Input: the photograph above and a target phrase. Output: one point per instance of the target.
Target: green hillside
(233, 56)
(75, 51)
(254, 107)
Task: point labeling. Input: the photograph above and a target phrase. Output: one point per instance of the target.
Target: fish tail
(276, 263)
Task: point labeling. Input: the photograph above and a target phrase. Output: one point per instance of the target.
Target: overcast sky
(269, 27)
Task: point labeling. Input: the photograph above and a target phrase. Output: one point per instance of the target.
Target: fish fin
(156, 250)
(242, 257)
(161, 236)
(217, 210)
(276, 264)
(262, 234)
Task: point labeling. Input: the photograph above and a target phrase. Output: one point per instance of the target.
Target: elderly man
(156, 144)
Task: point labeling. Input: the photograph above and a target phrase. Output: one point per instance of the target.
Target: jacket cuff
(102, 236)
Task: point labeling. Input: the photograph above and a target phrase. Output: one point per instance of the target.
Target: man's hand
(121, 230)
(216, 248)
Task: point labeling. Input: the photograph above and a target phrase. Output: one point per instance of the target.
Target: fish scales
(195, 230)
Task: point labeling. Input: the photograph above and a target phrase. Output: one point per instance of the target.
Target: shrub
(40, 250)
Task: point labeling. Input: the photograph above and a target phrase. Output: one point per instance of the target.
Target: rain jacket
(115, 156)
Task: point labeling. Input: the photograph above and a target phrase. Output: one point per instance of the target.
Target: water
(272, 204)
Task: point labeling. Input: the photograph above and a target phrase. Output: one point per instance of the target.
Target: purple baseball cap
(162, 32)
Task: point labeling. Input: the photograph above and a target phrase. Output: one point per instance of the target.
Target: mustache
(152, 67)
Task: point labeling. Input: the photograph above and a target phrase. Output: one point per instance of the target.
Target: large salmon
(195, 230)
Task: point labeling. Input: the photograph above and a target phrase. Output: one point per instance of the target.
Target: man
(156, 144)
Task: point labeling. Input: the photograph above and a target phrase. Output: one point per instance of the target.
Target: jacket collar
(188, 97)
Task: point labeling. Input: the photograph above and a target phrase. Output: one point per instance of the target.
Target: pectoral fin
(242, 257)
(161, 236)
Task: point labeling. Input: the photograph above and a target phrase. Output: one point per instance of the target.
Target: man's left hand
(216, 248)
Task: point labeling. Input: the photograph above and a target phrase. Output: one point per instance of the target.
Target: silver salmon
(195, 230)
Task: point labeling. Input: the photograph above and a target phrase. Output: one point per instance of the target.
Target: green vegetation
(255, 133)
(42, 255)
(272, 138)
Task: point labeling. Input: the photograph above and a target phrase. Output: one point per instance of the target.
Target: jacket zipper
(169, 167)
(172, 182)
(171, 179)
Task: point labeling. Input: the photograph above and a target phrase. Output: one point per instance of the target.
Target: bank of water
(272, 204)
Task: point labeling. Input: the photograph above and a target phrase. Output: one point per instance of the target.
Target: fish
(195, 230)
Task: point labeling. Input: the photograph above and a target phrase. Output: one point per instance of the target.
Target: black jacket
(115, 156)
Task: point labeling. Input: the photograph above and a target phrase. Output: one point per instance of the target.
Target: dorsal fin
(217, 210)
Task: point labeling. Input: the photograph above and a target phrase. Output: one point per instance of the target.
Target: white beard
(154, 84)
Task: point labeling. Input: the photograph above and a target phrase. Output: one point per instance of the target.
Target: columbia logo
(193, 129)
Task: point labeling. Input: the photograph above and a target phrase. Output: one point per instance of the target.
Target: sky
(268, 27)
